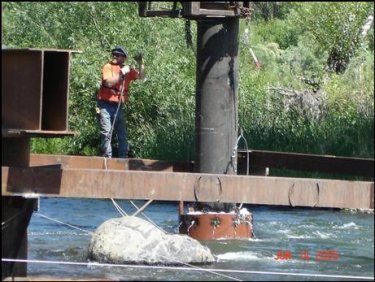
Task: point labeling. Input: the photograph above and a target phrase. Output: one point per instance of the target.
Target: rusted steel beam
(332, 164)
(194, 10)
(21, 133)
(35, 95)
(15, 152)
(176, 186)
(101, 163)
(309, 162)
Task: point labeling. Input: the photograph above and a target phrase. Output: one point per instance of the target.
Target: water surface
(291, 241)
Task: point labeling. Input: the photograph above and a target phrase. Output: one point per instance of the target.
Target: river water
(290, 244)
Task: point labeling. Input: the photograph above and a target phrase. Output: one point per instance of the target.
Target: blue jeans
(106, 118)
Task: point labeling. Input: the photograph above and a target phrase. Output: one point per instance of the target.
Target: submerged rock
(130, 239)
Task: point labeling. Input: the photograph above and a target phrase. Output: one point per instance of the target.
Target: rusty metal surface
(308, 162)
(359, 166)
(114, 163)
(21, 89)
(20, 133)
(34, 92)
(12, 50)
(193, 10)
(55, 91)
(78, 162)
(175, 186)
(209, 226)
(15, 152)
(204, 9)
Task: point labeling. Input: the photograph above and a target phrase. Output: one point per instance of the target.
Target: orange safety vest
(112, 94)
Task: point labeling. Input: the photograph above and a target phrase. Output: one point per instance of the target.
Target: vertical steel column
(216, 97)
(15, 152)
(16, 213)
(34, 97)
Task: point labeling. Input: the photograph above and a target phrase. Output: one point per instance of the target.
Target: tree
(336, 27)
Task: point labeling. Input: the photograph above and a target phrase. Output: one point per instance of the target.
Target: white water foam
(350, 225)
(299, 237)
(323, 235)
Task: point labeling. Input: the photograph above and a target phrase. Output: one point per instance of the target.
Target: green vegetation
(314, 92)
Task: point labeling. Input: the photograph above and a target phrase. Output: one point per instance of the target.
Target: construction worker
(116, 79)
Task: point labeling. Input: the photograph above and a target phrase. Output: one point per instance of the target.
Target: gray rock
(133, 240)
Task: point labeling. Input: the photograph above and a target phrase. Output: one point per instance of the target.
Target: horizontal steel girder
(113, 163)
(57, 180)
(308, 162)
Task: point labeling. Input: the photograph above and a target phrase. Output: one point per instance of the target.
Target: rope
(207, 270)
(4, 224)
(72, 226)
(149, 219)
(123, 213)
(119, 209)
(247, 149)
(117, 110)
(192, 267)
(90, 264)
(105, 163)
(247, 156)
(139, 210)
(143, 207)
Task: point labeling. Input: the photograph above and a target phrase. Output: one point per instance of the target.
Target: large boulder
(130, 239)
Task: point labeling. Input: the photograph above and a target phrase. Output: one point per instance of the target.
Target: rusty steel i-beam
(71, 176)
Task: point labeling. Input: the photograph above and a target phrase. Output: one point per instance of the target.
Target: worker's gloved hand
(125, 69)
(139, 58)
